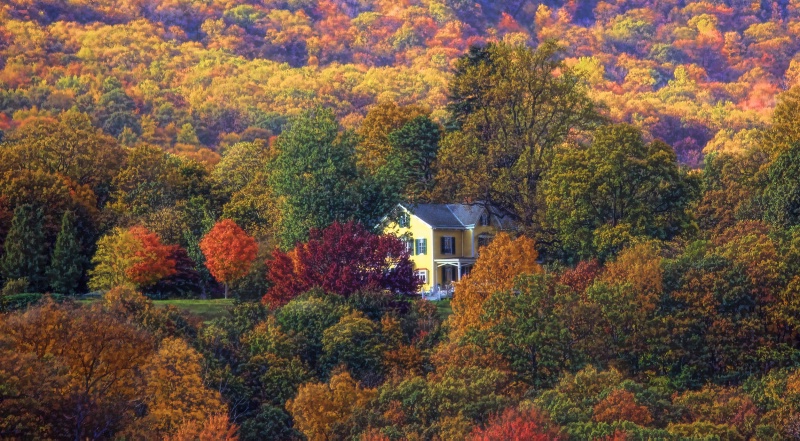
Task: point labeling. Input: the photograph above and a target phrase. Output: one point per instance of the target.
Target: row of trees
(667, 341)
(125, 257)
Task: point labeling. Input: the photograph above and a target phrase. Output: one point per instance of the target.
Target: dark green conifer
(68, 263)
(26, 248)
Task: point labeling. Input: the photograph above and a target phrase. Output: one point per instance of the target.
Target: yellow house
(443, 239)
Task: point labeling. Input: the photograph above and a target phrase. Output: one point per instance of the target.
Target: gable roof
(456, 216)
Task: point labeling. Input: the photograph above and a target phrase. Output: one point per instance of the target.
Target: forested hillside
(699, 75)
(643, 158)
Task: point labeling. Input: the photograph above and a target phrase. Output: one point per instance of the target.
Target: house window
(409, 246)
(485, 219)
(404, 220)
(422, 276)
(422, 246)
(448, 245)
(484, 240)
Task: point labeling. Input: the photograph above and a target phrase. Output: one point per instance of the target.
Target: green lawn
(205, 309)
(444, 308)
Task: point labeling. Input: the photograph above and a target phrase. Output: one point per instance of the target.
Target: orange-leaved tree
(134, 256)
(216, 427)
(229, 252)
(497, 267)
(174, 391)
(152, 260)
(515, 425)
(621, 405)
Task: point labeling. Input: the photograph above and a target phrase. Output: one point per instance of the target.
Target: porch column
(459, 271)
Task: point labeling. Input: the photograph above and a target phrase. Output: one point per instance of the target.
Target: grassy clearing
(444, 308)
(205, 309)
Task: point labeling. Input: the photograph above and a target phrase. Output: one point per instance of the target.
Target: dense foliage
(645, 156)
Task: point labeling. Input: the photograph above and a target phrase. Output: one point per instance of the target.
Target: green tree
(516, 106)
(313, 173)
(306, 318)
(415, 145)
(188, 135)
(530, 326)
(68, 262)
(316, 177)
(782, 193)
(355, 342)
(26, 254)
(617, 187)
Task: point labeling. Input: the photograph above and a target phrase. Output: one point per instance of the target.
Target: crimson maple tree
(229, 252)
(341, 259)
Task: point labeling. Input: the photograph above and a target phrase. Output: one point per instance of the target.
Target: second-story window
(484, 240)
(410, 246)
(422, 246)
(448, 245)
(485, 220)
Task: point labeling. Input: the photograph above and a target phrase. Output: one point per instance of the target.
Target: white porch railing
(439, 293)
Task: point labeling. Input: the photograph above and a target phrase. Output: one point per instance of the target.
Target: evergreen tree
(68, 263)
(25, 248)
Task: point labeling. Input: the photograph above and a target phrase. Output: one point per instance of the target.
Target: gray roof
(456, 216)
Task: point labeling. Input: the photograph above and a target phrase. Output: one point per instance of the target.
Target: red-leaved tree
(152, 260)
(341, 259)
(229, 252)
(515, 425)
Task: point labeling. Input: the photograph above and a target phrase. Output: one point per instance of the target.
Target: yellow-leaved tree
(498, 265)
(322, 411)
(175, 393)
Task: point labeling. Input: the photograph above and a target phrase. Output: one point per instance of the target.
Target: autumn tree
(175, 391)
(97, 355)
(504, 146)
(134, 256)
(68, 263)
(229, 252)
(69, 146)
(516, 425)
(323, 411)
(496, 269)
(341, 259)
(216, 427)
(25, 248)
(375, 148)
(621, 405)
